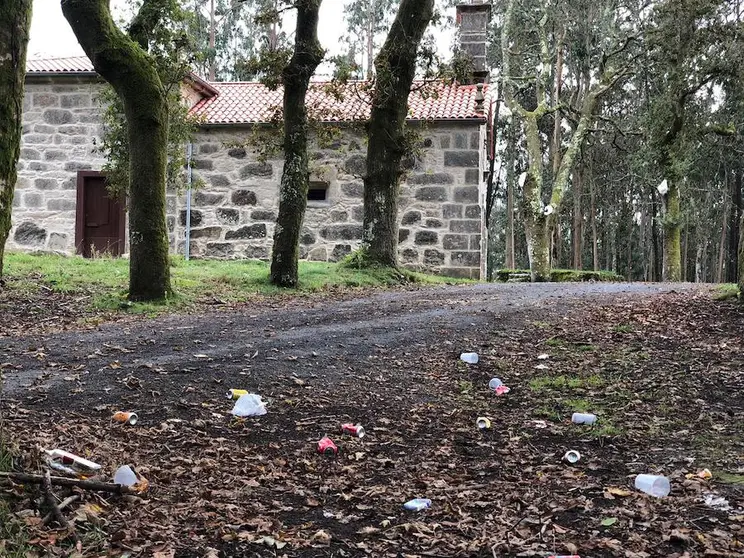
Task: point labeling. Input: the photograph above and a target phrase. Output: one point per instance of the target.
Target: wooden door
(100, 218)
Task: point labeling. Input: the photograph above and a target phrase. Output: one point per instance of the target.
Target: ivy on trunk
(295, 176)
(123, 62)
(15, 21)
(395, 68)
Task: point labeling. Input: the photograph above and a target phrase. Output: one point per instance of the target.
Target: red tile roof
(69, 65)
(251, 102)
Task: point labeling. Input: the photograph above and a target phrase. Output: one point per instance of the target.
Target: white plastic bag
(249, 405)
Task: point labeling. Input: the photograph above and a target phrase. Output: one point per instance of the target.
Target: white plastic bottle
(470, 358)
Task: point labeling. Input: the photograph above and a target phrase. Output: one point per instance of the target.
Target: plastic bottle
(417, 504)
(470, 358)
(583, 418)
(655, 485)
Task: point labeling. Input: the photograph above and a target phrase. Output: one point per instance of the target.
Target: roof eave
(61, 74)
(469, 120)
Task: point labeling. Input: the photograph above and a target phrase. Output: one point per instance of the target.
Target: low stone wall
(440, 229)
(60, 125)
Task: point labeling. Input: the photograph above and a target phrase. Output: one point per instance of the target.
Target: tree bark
(734, 219)
(722, 244)
(122, 61)
(672, 237)
(511, 150)
(295, 176)
(395, 68)
(15, 21)
(578, 218)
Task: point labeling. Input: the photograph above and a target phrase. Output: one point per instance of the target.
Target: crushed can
(353, 429)
(67, 462)
(326, 446)
(125, 417)
(235, 393)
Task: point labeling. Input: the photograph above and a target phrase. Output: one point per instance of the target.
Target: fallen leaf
(609, 521)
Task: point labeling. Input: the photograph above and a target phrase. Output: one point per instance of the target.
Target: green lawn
(104, 280)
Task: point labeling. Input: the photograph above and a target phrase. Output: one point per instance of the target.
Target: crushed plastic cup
(493, 383)
(417, 504)
(483, 423)
(583, 418)
(249, 405)
(571, 457)
(125, 476)
(470, 358)
(654, 485)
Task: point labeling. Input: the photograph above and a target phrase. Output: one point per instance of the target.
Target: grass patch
(547, 383)
(13, 536)
(623, 328)
(103, 281)
(726, 291)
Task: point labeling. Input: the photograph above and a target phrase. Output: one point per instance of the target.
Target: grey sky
(51, 35)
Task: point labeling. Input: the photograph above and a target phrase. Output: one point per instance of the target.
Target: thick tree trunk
(672, 237)
(15, 21)
(510, 179)
(741, 259)
(578, 219)
(293, 190)
(722, 244)
(537, 230)
(593, 215)
(395, 68)
(131, 71)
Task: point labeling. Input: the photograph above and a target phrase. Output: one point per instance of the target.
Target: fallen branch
(63, 481)
(62, 505)
(51, 500)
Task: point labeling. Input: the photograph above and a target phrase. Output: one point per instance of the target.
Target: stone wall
(60, 122)
(233, 213)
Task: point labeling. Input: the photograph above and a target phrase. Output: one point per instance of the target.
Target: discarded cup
(501, 390)
(353, 429)
(655, 485)
(67, 462)
(483, 423)
(571, 457)
(125, 476)
(494, 383)
(417, 504)
(236, 393)
(326, 446)
(125, 417)
(470, 358)
(583, 418)
(249, 405)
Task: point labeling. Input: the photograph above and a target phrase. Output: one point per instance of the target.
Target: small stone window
(317, 192)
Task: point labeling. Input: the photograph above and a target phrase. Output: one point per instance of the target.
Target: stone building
(61, 203)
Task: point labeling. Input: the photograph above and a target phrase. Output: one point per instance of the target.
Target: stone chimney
(472, 18)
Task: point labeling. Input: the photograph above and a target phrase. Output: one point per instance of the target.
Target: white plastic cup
(495, 382)
(572, 457)
(470, 358)
(655, 485)
(583, 418)
(125, 476)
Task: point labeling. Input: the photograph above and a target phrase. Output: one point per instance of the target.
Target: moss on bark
(15, 21)
(672, 235)
(395, 68)
(295, 176)
(131, 71)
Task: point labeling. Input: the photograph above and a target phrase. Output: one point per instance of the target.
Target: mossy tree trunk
(123, 61)
(741, 259)
(395, 68)
(295, 176)
(15, 21)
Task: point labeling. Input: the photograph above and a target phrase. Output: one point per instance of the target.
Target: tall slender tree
(395, 68)
(365, 20)
(295, 176)
(15, 21)
(123, 61)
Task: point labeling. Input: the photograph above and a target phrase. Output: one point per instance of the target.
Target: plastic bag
(249, 405)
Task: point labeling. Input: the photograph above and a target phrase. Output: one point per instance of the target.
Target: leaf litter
(666, 388)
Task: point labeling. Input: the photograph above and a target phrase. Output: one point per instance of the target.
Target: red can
(353, 429)
(326, 446)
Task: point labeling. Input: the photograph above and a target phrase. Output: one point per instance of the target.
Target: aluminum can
(326, 446)
(125, 417)
(236, 393)
(353, 429)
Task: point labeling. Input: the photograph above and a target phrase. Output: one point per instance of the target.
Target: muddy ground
(660, 365)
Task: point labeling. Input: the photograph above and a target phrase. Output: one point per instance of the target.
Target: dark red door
(100, 218)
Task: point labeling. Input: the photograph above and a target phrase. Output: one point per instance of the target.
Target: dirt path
(331, 334)
(660, 365)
